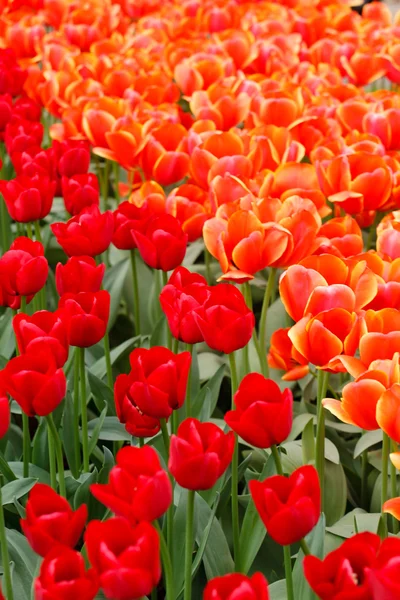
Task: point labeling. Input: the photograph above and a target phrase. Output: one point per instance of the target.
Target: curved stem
(277, 459)
(85, 437)
(167, 566)
(59, 454)
(4, 554)
(385, 469)
(235, 473)
(188, 401)
(304, 547)
(189, 545)
(288, 572)
(263, 321)
(136, 305)
(322, 381)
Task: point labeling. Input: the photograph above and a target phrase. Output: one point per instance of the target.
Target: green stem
(288, 572)
(322, 382)
(52, 460)
(84, 416)
(304, 547)
(38, 234)
(364, 480)
(277, 459)
(167, 566)
(165, 434)
(4, 554)
(23, 304)
(385, 469)
(175, 346)
(116, 180)
(189, 545)
(188, 402)
(235, 473)
(169, 334)
(263, 321)
(29, 230)
(136, 305)
(26, 444)
(107, 355)
(77, 444)
(393, 485)
(59, 454)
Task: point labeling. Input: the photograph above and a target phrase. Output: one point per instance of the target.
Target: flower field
(199, 300)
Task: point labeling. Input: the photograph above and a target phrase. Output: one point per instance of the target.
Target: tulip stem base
(288, 572)
(26, 444)
(59, 453)
(167, 565)
(5, 559)
(187, 594)
(235, 471)
(304, 547)
(322, 385)
(85, 438)
(385, 477)
(136, 305)
(263, 321)
(110, 380)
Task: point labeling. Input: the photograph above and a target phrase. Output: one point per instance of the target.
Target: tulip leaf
(367, 440)
(96, 431)
(102, 393)
(7, 340)
(308, 442)
(38, 473)
(209, 392)
(159, 335)
(178, 549)
(277, 590)
(114, 281)
(24, 562)
(335, 499)
(82, 494)
(16, 489)
(315, 541)
(68, 427)
(193, 252)
(99, 368)
(111, 430)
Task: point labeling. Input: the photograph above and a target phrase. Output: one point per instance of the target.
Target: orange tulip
(191, 206)
(282, 355)
(358, 405)
(388, 236)
(341, 236)
(388, 412)
(392, 506)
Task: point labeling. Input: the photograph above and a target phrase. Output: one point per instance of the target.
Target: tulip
(12, 75)
(28, 198)
(21, 134)
(63, 577)
(199, 454)
(72, 156)
(184, 293)
(138, 489)
(125, 558)
(5, 414)
(79, 274)
(263, 415)
(35, 383)
(237, 587)
(43, 331)
(136, 423)
(288, 506)
(282, 355)
(80, 191)
(129, 217)
(86, 317)
(23, 272)
(88, 233)
(225, 320)
(359, 403)
(50, 521)
(162, 243)
(158, 380)
(388, 411)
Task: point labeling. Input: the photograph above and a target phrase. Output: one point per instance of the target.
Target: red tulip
(88, 233)
(138, 489)
(125, 558)
(26, 108)
(35, 382)
(263, 414)
(43, 331)
(199, 454)
(63, 577)
(21, 134)
(23, 272)
(4, 414)
(225, 320)
(80, 191)
(73, 157)
(288, 506)
(28, 198)
(86, 317)
(79, 274)
(158, 380)
(237, 587)
(136, 423)
(12, 76)
(161, 243)
(50, 520)
(184, 293)
(130, 217)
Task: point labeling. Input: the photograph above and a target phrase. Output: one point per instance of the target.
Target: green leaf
(209, 364)
(25, 564)
(193, 252)
(308, 442)
(67, 433)
(210, 389)
(7, 340)
(102, 392)
(114, 281)
(299, 424)
(367, 522)
(96, 431)
(40, 451)
(178, 549)
(217, 557)
(367, 440)
(315, 541)
(99, 367)
(82, 494)
(16, 489)
(159, 335)
(111, 430)
(34, 471)
(277, 590)
(336, 496)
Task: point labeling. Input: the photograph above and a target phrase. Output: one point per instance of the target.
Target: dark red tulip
(199, 454)
(35, 383)
(63, 576)
(88, 233)
(184, 293)
(263, 414)
(225, 320)
(162, 242)
(79, 274)
(288, 506)
(50, 521)
(86, 317)
(136, 423)
(237, 587)
(138, 488)
(44, 331)
(158, 380)
(80, 191)
(125, 558)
